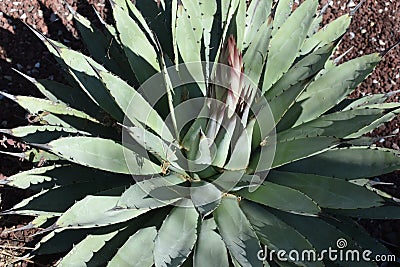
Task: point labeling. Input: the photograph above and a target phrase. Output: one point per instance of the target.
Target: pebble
(70, 17)
(382, 43)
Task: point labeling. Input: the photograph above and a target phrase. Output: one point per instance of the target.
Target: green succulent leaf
(80, 67)
(134, 105)
(24, 179)
(189, 32)
(256, 55)
(176, 237)
(301, 71)
(99, 211)
(328, 192)
(333, 86)
(282, 197)
(257, 14)
(312, 231)
(140, 52)
(288, 40)
(283, 9)
(291, 150)
(60, 240)
(276, 233)
(210, 250)
(354, 162)
(240, 156)
(205, 196)
(238, 234)
(342, 124)
(327, 34)
(103, 154)
(102, 45)
(37, 105)
(59, 198)
(83, 251)
(152, 193)
(133, 249)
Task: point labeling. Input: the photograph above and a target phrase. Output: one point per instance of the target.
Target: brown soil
(375, 27)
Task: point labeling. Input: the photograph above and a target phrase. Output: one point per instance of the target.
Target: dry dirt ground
(375, 27)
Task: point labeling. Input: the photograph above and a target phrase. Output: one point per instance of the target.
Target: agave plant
(201, 133)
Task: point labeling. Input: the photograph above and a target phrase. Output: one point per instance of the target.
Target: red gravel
(375, 27)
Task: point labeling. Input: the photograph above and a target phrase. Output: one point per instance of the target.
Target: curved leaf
(134, 105)
(274, 232)
(152, 193)
(328, 192)
(140, 52)
(333, 86)
(257, 14)
(210, 249)
(81, 253)
(102, 154)
(176, 237)
(348, 163)
(330, 33)
(287, 41)
(96, 211)
(291, 150)
(283, 198)
(132, 252)
(237, 233)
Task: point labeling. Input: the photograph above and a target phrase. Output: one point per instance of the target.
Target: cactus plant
(196, 133)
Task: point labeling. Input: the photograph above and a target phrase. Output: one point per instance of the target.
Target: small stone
(382, 43)
(396, 131)
(352, 35)
(380, 11)
(23, 16)
(351, 4)
(395, 146)
(70, 17)
(37, 65)
(363, 31)
(40, 13)
(9, 60)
